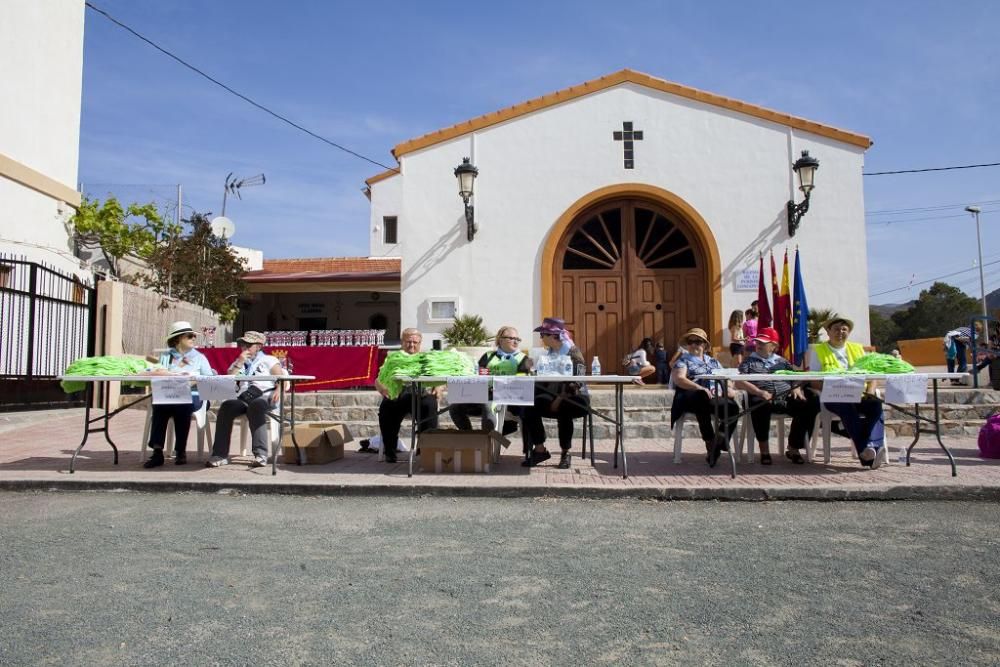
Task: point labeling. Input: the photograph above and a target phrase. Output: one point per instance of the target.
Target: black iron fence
(47, 319)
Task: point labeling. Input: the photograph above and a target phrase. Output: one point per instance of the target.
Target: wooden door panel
(600, 308)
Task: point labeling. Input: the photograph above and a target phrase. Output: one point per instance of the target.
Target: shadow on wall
(764, 241)
(437, 252)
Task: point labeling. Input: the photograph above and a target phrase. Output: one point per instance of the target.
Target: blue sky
(920, 78)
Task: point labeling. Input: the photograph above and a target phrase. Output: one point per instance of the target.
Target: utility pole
(974, 210)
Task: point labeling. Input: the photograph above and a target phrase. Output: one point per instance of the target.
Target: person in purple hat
(562, 401)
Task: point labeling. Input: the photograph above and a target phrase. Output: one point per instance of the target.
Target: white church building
(628, 205)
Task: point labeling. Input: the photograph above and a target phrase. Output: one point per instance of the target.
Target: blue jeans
(863, 421)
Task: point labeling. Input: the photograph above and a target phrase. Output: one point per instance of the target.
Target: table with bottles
(553, 375)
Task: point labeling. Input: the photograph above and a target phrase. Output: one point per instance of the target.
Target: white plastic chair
(272, 419)
(735, 441)
(825, 419)
(203, 429)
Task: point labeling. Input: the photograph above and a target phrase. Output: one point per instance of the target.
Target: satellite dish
(223, 227)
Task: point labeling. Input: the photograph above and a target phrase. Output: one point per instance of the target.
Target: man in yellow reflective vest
(863, 421)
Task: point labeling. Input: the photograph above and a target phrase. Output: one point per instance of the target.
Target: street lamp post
(974, 210)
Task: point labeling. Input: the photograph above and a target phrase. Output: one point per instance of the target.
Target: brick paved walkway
(35, 453)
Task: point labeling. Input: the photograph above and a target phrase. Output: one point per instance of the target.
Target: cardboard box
(451, 451)
(319, 442)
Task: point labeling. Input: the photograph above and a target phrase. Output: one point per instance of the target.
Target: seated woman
(700, 397)
(506, 359)
(562, 401)
(638, 363)
(180, 359)
(864, 421)
(768, 397)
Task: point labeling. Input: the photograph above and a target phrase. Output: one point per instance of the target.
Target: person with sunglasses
(256, 399)
(562, 401)
(701, 397)
(506, 359)
(180, 358)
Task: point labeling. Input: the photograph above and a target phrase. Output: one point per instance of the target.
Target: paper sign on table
(217, 388)
(909, 388)
(474, 389)
(513, 390)
(842, 390)
(171, 390)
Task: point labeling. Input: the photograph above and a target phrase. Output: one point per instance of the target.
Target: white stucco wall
(386, 201)
(734, 170)
(41, 70)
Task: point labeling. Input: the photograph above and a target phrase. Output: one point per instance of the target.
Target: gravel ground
(138, 579)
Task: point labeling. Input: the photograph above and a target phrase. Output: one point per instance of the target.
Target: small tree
(200, 268)
(938, 309)
(884, 331)
(119, 232)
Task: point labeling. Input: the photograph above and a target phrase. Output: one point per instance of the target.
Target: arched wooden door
(627, 269)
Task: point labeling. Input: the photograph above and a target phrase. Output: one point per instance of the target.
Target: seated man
(255, 400)
(863, 421)
(777, 396)
(392, 411)
(506, 359)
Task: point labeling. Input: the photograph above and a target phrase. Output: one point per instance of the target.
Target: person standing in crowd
(662, 367)
(701, 396)
(562, 401)
(506, 359)
(863, 421)
(777, 396)
(392, 411)
(956, 347)
(255, 400)
(181, 358)
(737, 338)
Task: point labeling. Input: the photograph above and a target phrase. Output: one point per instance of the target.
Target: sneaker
(180, 459)
(259, 461)
(217, 462)
(155, 461)
(878, 460)
(868, 454)
(564, 461)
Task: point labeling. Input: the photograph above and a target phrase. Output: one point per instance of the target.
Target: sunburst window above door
(597, 243)
(660, 244)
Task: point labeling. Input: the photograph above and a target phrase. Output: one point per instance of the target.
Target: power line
(938, 217)
(234, 92)
(930, 280)
(936, 207)
(919, 171)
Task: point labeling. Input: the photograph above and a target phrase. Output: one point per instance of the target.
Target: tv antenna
(233, 186)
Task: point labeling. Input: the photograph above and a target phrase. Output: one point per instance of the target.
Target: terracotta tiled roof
(608, 81)
(327, 269)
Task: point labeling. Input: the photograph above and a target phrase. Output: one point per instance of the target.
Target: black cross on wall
(628, 135)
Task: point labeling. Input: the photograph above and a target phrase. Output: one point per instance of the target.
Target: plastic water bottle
(902, 454)
(565, 365)
(595, 366)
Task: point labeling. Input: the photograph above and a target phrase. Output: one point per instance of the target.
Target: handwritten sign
(171, 390)
(475, 389)
(218, 388)
(513, 390)
(909, 388)
(842, 390)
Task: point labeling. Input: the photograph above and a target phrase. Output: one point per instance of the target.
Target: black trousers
(568, 409)
(391, 413)
(802, 411)
(698, 403)
(181, 414)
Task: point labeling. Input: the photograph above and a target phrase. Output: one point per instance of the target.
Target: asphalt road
(137, 579)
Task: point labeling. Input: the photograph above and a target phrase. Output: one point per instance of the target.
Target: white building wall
(386, 201)
(41, 70)
(734, 170)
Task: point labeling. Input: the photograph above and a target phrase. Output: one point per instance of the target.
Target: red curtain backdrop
(334, 367)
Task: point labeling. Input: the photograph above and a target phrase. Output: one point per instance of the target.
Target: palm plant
(466, 331)
(816, 318)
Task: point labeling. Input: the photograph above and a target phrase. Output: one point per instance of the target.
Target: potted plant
(467, 334)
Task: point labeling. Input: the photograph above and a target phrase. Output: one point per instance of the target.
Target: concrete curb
(736, 494)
